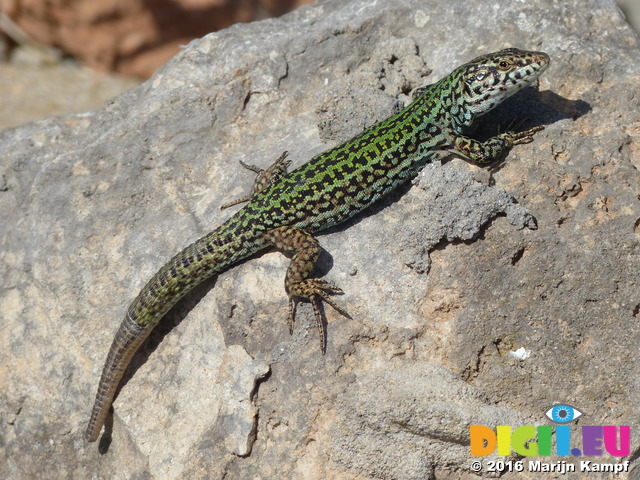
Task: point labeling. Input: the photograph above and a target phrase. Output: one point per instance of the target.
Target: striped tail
(126, 342)
(210, 255)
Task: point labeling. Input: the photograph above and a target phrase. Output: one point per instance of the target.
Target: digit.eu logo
(531, 441)
(562, 413)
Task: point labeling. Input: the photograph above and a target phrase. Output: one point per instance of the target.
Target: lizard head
(489, 79)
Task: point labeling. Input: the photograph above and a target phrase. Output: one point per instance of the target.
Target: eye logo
(562, 413)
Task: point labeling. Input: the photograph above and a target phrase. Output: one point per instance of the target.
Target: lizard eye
(503, 64)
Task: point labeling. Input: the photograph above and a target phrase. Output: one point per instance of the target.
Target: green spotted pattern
(285, 209)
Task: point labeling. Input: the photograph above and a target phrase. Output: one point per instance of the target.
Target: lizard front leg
(484, 153)
(305, 251)
(263, 179)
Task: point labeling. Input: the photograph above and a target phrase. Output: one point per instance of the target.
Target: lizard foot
(519, 138)
(314, 290)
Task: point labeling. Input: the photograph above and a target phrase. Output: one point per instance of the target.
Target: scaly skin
(285, 209)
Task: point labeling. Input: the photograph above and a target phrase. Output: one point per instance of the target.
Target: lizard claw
(526, 136)
(315, 290)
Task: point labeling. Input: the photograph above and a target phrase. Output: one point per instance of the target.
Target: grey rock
(457, 207)
(405, 422)
(238, 411)
(92, 205)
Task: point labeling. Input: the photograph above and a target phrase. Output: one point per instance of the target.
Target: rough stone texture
(133, 37)
(386, 412)
(512, 316)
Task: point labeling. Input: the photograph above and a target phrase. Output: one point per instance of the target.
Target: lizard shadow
(535, 108)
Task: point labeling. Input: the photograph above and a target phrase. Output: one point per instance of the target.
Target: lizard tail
(128, 339)
(210, 255)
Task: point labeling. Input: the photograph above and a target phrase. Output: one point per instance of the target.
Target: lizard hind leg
(305, 251)
(263, 179)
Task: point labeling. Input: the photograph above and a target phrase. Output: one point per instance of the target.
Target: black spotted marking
(285, 208)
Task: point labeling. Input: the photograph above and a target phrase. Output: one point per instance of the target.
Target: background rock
(93, 204)
(32, 92)
(132, 37)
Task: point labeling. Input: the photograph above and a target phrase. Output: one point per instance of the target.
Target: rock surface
(508, 315)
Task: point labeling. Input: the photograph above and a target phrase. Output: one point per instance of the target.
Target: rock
(33, 92)
(407, 421)
(94, 204)
(239, 377)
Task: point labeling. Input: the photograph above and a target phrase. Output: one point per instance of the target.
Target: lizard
(285, 209)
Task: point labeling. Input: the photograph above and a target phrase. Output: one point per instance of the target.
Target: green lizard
(286, 209)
